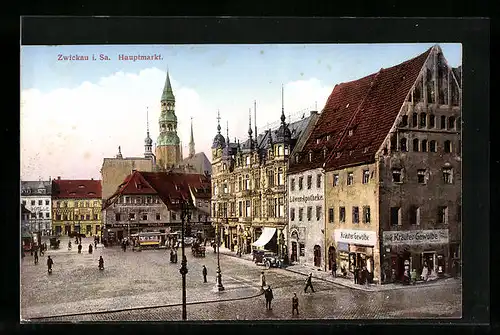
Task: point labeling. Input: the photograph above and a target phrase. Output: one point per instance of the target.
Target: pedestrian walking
(356, 275)
(95, 243)
(268, 294)
(50, 262)
(36, 257)
(69, 245)
(334, 269)
(90, 248)
(309, 283)
(79, 248)
(204, 272)
(262, 280)
(295, 304)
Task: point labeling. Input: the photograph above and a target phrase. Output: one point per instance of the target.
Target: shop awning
(266, 236)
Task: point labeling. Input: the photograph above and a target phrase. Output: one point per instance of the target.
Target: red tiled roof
(78, 189)
(169, 186)
(368, 106)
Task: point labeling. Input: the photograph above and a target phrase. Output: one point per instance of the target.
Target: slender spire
(283, 118)
(227, 132)
(255, 117)
(119, 152)
(218, 122)
(147, 141)
(147, 120)
(168, 93)
(250, 122)
(191, 141)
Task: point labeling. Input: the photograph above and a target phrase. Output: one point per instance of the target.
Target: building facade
(36, 197)
(306, 217)
(249, 196)
(151, 201)
(389, 144)
(25, 221)
(76, 206)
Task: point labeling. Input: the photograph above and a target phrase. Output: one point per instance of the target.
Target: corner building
(249, 199)
(390, 147)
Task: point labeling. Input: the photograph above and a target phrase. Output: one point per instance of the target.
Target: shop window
(414, 119)
(309, 213)
(330, 215)
(117, 217)
(131, 216)
(403, 144)
(424, 146)
(443, 122)
(318, 213)
(395, 216)
(423, 120)
(335, 180)
(447, 146)
(432, 146)
(366, 214)
(442, 214)
(448, 175)
(421, 176)
(432, 121)
(342, 214)
(292, 184)
(355, 214)
(302, 249)
(404, 121)
(396, 175)
(301, 213)
(301, 183)
(366, 176)
(350, 178)
(309, 182)
(318, 181)
(415, 144)
(292, 214)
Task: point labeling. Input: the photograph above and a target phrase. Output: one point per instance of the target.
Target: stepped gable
(79, 189)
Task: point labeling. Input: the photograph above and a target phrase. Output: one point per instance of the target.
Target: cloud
(68, 132)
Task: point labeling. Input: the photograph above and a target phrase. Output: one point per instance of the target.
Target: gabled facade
(390, 144)
(76, 206)
(151, 201)
(249, 198)
(36, 197)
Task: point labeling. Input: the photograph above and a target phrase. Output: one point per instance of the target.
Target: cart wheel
(268, 265)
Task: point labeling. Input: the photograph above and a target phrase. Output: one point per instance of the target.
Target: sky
(74, 113)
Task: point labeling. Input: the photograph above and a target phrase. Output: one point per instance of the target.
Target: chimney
(58, 177)
(314, 113)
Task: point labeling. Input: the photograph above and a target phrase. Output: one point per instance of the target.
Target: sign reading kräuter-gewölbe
(359, 237)
(413, 237)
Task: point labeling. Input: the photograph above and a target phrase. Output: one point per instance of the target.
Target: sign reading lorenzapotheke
(306, 198)
(435, 236)
(359, 237)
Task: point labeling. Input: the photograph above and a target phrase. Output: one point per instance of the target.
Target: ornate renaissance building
(36, 197)
(248, 185)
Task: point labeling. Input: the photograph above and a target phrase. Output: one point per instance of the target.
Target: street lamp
(219, 287)
(185, 214)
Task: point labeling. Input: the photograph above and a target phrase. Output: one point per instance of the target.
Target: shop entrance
(317, 255)
(332, 256)
(429, 259)
(67, 229)
(119, 234)
(293, 257)
(88, 230)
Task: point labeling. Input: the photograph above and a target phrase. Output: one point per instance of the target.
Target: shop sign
(359, 237)
(415, 237)
(342, 246)
(305, 199)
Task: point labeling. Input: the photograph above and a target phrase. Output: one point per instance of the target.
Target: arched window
(280, 150)
(414, 121)
(443, 122)
(403, 144)
(447, 146)
(169, 127)
(415, 144)
(424, 146)
(432, 146)
(423, 119)
(432, 121)
(404, 121)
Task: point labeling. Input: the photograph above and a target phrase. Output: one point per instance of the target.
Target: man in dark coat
(79, 248)
(90, 248)
(268, 294)
(50, 262)
(356, 275)
(36, 256)
(309, 283)
(334, 269)
(204, 272)
(295, 304)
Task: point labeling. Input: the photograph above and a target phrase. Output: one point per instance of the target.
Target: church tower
(191, 142)
(168, 150)
(148, 142)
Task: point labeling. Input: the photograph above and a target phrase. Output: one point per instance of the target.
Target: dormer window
(350, 132)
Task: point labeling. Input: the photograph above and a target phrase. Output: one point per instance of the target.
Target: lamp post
(185, 214)
(219, 287)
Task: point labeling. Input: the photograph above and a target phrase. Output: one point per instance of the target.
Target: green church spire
(168, 94)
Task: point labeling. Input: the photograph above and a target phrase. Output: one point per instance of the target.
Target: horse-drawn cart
(54, 243)
(198, 250)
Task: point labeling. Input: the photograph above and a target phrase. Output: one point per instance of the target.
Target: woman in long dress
(425, 273)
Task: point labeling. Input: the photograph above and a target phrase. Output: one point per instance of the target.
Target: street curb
(144, 307)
